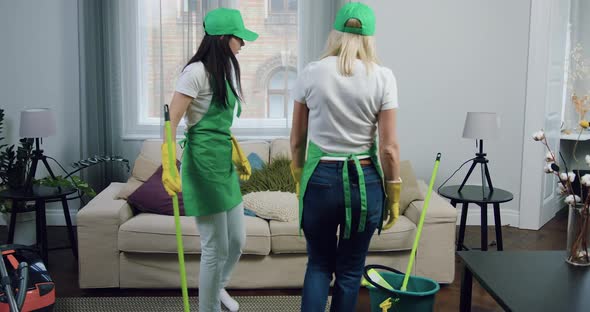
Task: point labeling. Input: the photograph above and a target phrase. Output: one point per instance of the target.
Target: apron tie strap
(182, 142)
(347, 195)
(314, 156)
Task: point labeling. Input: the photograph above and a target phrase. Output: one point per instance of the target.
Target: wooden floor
(63, 268)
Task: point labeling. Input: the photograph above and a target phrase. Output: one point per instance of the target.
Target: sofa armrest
(439, 209)
(436, 251)
(98, 228)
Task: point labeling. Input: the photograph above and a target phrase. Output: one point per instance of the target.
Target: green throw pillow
(275, 176)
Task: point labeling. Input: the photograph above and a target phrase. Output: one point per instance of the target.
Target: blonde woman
(341, 101)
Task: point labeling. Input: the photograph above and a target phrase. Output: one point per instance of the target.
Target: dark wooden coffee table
(526, 280)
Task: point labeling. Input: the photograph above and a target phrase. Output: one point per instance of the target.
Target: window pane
(260, 59)
(292, 77)
(276, 106)
(277, 6)
(293, 5)
(166, 45)
(161, 63)
(290, 105)
(277, 81)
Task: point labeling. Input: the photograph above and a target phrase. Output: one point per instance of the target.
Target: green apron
(209, 180)
(314, 155)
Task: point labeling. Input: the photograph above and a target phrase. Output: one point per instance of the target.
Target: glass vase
(578, 235)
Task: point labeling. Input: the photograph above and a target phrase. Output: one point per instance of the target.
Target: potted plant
(14, 166)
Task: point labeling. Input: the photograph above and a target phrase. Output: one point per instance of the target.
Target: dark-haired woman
(208, 93)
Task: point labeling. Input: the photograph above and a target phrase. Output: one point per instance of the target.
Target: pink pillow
(152, 197)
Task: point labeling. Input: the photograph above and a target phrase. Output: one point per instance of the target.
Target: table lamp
(37, 123)
(480, 126)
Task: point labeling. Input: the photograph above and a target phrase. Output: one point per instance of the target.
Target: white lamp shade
(37, 123)
(481, 125)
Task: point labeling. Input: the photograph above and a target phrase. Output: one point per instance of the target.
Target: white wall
(451, 57)
(39, 68)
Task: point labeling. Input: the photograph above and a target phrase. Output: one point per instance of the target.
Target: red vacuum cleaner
(21, 269)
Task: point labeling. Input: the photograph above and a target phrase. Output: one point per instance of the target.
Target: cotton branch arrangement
(579, 248)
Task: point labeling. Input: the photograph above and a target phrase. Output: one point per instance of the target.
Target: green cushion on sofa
(274, 176)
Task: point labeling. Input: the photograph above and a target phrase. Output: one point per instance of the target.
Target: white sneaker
(228, 301)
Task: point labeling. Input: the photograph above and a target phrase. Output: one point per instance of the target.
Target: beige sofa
(120, 249)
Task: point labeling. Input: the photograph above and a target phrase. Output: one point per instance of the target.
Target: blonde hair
(349, 47)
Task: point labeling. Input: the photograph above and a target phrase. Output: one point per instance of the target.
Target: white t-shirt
(343, 111)
(194, 82)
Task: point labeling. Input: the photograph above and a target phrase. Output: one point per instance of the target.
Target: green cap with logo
(224, 21)
(356, 10)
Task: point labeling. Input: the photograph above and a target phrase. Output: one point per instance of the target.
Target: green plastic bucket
(419, 295)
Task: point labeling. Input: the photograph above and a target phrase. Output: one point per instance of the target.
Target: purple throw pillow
(152, 197)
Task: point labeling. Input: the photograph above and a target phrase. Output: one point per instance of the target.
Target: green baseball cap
(358, 11)
(224, 21)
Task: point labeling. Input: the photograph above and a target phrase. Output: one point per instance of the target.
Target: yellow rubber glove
(392, 190)
(296, 173)
(172, 182)
(240, 160)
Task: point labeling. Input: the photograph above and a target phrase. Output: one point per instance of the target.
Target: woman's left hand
(240, 160)
(392, 190)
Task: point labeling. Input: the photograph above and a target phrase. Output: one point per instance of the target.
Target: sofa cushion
(144, 168)
(128, 188)
(256, 163)
(285, 237)
(145, 165)
(399, 237)
(152, 233)
(410, 190)
(260, 148)
(279, 206)
(439, 211)
(280, 148)
(152, 150)
(152, 197)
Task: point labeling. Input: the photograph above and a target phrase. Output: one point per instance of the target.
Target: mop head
(376, 277)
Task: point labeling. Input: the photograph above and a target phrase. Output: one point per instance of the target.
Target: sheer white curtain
(316, 19)
(150, 42)
(578, 75)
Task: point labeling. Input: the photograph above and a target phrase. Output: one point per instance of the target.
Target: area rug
(161, 304)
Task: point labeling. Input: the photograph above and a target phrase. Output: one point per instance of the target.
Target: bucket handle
(379, 267)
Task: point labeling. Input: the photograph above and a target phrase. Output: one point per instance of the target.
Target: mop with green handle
(172, 161)
(421, 223)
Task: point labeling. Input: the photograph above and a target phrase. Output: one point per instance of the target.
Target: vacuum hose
(6, 285)
(23, 275)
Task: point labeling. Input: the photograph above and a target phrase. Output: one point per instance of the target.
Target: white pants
(222, 238)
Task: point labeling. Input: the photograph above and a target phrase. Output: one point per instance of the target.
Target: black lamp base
(480, 158)
(37, 155)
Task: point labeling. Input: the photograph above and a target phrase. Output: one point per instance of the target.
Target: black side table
(482, 197)
(41, 195)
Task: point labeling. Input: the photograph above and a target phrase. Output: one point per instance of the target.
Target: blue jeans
(329, 255)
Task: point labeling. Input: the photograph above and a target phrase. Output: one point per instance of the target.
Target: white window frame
(138, 127)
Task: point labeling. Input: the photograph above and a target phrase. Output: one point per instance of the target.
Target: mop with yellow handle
(382, 286)
(421, 223)
(172, 162)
